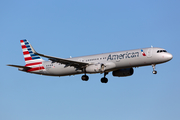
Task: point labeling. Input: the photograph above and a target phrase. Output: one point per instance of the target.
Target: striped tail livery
(33, 61)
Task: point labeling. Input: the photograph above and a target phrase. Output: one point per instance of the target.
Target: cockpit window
(159, 51)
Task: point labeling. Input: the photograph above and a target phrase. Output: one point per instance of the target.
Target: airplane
(120, 63)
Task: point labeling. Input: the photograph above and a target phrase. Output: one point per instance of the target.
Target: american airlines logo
(143, 53)
(123, 56)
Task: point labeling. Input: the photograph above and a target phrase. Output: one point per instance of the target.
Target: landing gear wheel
(104, 80)
(154, 72)
(85, 78)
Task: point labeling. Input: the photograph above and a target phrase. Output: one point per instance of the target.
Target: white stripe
(33, 66)
(28, 55)
(33, 61)
(25, 49)
(22, 43)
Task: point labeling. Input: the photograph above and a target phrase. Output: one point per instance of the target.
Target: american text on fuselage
(122, 56)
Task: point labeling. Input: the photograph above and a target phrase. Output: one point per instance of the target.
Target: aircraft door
(149, 52)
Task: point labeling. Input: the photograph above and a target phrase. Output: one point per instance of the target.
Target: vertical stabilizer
(32, 60)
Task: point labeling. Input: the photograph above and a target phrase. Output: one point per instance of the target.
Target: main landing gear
(85, 78)
(154, 71)
(104, 79)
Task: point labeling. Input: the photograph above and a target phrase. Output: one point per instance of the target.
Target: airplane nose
(169, 56)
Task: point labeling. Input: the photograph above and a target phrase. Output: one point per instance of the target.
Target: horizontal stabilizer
(18, 66)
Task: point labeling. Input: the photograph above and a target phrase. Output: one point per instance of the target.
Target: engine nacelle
(96, 68)
(123, 72)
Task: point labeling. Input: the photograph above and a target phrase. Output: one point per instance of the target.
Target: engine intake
(123, 72)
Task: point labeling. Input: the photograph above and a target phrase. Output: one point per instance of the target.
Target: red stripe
(33, 64)
(36, 68)
(28, 58)
(26, 52)
(21, 41)
(23, 46)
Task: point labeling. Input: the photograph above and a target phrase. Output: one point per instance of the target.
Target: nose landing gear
(154, 71)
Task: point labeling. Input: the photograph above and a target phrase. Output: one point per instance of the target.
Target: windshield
(159, 51)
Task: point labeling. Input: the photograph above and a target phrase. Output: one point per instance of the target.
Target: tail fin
(31, 59)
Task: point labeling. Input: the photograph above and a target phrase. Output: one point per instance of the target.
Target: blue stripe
(33, 55)
(29, 49)
(28, 46)
(25, 40)
(30, 52)
(26, 43)
(35, 58)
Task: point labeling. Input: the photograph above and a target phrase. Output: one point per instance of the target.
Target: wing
(75, 64)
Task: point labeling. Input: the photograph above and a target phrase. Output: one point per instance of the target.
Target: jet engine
(96, 68)
(123, 72)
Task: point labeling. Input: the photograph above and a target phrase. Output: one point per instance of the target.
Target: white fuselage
(112, 61)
